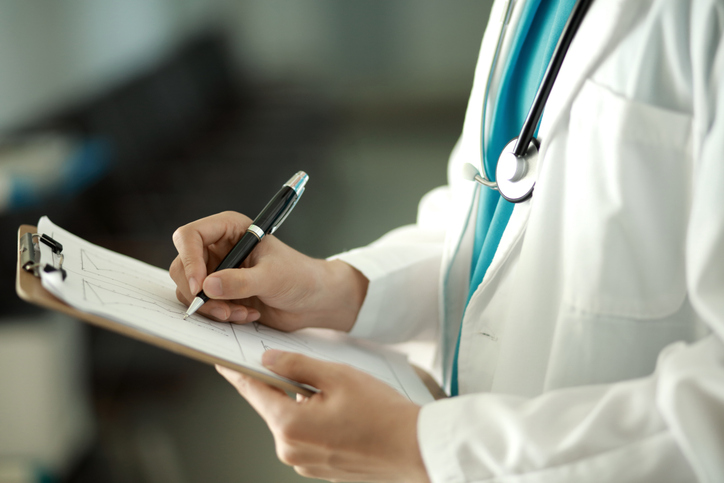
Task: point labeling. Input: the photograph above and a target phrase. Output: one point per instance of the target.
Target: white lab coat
(592, 351)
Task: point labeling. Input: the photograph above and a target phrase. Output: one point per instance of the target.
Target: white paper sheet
(139, 295)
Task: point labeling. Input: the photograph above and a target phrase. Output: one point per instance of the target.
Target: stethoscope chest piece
(516, 175)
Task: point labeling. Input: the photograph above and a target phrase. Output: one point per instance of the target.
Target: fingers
(241, 314)
(300, 368)
(271, 403)
(282, 416)
(223, 311)
(176, 271)
(192, 241)
(188, 270)
(363, 430)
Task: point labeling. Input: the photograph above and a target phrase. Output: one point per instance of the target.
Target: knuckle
(290, 430)
(238, 216)
(333, 460)
(288, 362)
(174, 268)
(187, 261)
(179, 234)
(292, 426)
(233, 220)
(289, 455)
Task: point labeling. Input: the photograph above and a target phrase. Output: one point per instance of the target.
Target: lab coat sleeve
(668, 427)
(403, 269)
(664, 428)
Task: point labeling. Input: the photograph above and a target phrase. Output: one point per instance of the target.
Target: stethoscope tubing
(554, 66)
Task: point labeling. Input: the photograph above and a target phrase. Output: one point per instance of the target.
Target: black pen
(270, 218)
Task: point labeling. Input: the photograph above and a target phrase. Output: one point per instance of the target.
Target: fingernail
(193, 286)
(254, 315)
(212, 287)
(270, 357)
(219, 313)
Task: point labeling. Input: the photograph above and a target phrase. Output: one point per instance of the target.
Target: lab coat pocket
(627, 203)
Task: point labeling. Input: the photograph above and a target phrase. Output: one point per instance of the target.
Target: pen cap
(297, 182)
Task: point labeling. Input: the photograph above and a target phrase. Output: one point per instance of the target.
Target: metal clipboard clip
(30, 254)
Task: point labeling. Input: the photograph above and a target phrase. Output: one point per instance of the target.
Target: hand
(284, 288)
(356, 429)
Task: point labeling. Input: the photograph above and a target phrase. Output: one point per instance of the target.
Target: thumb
(236, 283)
(300, 368)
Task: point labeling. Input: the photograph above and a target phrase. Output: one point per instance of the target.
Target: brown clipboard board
(30, 289)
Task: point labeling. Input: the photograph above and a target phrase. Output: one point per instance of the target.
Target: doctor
(581, 328)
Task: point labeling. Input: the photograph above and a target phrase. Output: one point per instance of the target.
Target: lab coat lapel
(459, 239)
(595, 38)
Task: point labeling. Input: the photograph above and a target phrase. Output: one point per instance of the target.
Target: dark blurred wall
(57, 53)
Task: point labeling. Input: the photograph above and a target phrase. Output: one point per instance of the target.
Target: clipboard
(30, 289)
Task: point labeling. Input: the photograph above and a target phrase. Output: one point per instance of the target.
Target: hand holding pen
(277, 285)
(268, 221)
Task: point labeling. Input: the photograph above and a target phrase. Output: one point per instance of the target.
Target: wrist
(346, 288)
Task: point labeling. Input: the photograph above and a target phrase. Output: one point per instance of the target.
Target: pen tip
(195, 304)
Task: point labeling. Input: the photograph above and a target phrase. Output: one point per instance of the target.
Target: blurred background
(122, 120)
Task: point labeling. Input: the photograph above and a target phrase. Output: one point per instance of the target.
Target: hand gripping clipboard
(30, 289)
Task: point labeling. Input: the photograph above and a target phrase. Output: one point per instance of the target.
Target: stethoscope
(517, 166)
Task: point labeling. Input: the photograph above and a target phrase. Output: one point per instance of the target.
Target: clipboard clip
(30, 254)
